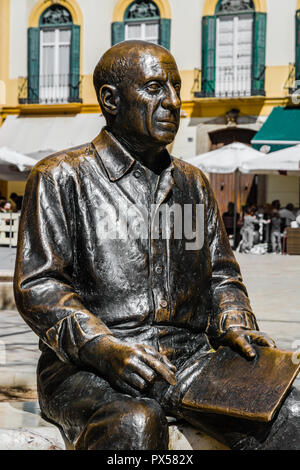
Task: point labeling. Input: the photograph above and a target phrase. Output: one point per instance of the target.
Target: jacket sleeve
(230, 303)
(43, 282)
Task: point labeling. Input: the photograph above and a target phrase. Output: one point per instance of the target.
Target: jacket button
(159, 269)
(163, 303)
(137, 174)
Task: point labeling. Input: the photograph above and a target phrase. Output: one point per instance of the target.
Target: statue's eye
(152, 87)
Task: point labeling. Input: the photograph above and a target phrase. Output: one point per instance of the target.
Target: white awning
(14, 166)
(40, 136)
(285, 160)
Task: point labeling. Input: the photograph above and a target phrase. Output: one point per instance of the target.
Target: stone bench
(26, 430)
(182, 437)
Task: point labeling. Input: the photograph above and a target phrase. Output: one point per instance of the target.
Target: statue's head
(138, 89)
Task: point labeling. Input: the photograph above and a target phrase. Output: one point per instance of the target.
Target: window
(54, 64)
(234, 55)
(233, 50)
(53, 58)
(142, 21)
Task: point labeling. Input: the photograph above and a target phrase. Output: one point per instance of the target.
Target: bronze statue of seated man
(127, 309)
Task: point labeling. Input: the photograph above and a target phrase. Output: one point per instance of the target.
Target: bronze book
(250, 389)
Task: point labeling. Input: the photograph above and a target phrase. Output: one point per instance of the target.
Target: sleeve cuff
(230, 320)
(70, 334)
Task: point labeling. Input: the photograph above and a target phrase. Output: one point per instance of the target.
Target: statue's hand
(127, 367)
(240, 340)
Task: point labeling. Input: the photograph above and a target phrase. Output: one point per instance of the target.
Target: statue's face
(150, 99)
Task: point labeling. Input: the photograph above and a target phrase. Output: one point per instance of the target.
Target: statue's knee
(127, 424)
(143, 415)
(146, 423)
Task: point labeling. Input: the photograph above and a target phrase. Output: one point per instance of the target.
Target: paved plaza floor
(7, 258)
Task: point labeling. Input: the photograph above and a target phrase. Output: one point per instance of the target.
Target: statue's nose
(171, 99)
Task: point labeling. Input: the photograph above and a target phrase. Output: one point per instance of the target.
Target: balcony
(50, 89)
(224, 82)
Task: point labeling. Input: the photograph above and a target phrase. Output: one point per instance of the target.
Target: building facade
(238, 60)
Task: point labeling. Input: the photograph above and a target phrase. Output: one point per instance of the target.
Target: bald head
(114, 66)
(138, 89)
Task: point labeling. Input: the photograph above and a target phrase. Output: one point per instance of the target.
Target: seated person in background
(17, 201)
(228, 218)
(5, 206)
(276, 204)
(287, 214)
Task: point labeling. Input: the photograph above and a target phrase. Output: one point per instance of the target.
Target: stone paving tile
(18, 344)
(7, 258)
(273, 285)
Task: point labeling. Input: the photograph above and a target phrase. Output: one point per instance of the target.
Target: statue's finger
(143, 370)
(134, 380)
(161, 357)
(168, 363)
(264, 340)
(124, 387)
(160, 368)
(244, 347)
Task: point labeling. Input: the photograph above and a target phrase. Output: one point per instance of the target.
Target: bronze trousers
(93, 416)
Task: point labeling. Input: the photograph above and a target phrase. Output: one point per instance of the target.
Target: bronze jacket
(76, 279)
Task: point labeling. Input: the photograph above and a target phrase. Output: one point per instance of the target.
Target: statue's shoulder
(189, 172)
(65, 160)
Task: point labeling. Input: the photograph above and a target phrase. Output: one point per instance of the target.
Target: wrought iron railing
(50, 89)
(224, 82)
(233, 81)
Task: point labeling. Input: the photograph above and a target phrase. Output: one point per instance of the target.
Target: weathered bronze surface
(127, 321)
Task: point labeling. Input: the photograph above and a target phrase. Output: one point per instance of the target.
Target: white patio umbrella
(13, 165)
(287, 159)
(227, 159)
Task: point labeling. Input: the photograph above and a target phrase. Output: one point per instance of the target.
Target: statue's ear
(109, 99)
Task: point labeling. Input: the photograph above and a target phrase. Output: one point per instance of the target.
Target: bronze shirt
(76, 279)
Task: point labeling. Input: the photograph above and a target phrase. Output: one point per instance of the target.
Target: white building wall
(19, 15)
(186, 33)
(98, 17)
(281, 32)
(184, 145)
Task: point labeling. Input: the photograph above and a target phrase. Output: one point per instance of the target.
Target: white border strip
(278, 142)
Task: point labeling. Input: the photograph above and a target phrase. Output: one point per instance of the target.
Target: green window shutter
(259, 54)
(117, 32)
(75, 64)
(297, 64)
(165, 33)
(208, 55)
(33, 64)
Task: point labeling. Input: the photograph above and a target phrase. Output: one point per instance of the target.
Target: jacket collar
(115, 158)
